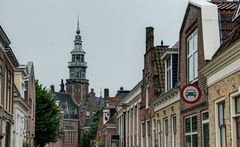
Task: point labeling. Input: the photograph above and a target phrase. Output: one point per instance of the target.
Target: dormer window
(171, 65)
(192, 56)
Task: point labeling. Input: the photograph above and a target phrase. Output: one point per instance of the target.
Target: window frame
(174, 130)
(191, 54)
(159, 132)
(234, 116)
(206, 121)
(191, 133)
(168, 73)
(218, 125)
(165, 133)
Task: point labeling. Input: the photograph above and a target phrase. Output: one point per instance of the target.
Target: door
(238, 132)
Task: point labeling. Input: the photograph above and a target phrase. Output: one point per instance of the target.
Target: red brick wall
(192, 21)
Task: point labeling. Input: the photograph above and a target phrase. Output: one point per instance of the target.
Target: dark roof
(4, 37)
(226, 14)
(233, 37)
(11, 56)
(66, 103)
(122, 93)
(159, 69)
(226, 5)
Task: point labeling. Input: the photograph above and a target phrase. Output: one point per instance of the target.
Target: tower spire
(78, 30)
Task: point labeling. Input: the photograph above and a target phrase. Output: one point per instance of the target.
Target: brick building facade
(24, 105)
(128, 118)
(223, 79)
(8, 63)
(165, 124)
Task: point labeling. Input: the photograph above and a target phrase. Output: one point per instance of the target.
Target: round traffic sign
(190, 93)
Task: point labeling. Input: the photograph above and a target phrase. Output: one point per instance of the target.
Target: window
(174, 130)
(78, 75)
(71, 75)
(142, 134)
(205, 127)
(153, 132)
(192, 56)
(78, 57)
(159, 133)
(147, 133)
(1, 74)
(191, 131)
(73, 58)
(237, 105)
(82, 58)
(236, 120)
(221, 124)
(168, 73)
(166, 133)
(82, 74)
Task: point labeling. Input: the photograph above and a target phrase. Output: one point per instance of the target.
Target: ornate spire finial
(78, 30)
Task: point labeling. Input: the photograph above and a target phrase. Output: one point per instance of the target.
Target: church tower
(77, 84)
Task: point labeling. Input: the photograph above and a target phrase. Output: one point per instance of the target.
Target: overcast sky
(113, 34)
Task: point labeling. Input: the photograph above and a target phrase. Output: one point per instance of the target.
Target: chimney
(121, 88)
(149, 38)
(92, 93)
(62, 86)
(106, 93)
(52, 88)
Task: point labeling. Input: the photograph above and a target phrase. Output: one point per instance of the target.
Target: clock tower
(77, 84)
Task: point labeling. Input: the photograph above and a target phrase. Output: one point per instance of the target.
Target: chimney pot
(52, 88)
(149, 38)
(106, 93)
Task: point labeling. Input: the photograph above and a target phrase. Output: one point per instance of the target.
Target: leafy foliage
(48, 117)
(91, 133)
(28, 144)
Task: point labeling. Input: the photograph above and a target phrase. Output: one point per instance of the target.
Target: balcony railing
(84, 64)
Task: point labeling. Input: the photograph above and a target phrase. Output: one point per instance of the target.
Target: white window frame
(165, 133)
(159, 132)
(205, 122)
(174, 134)
(192, 74)
(153, 131)
(168, 69)
(142, 134)
(191, 132)
(147, 133)
(217, 131)
(234, 116)
(137, 124)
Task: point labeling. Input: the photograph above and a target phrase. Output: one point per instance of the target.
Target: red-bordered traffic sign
(190, 93)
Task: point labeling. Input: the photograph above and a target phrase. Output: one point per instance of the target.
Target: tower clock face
(77, 89)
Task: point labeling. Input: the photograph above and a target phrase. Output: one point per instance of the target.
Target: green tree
(48, 117)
